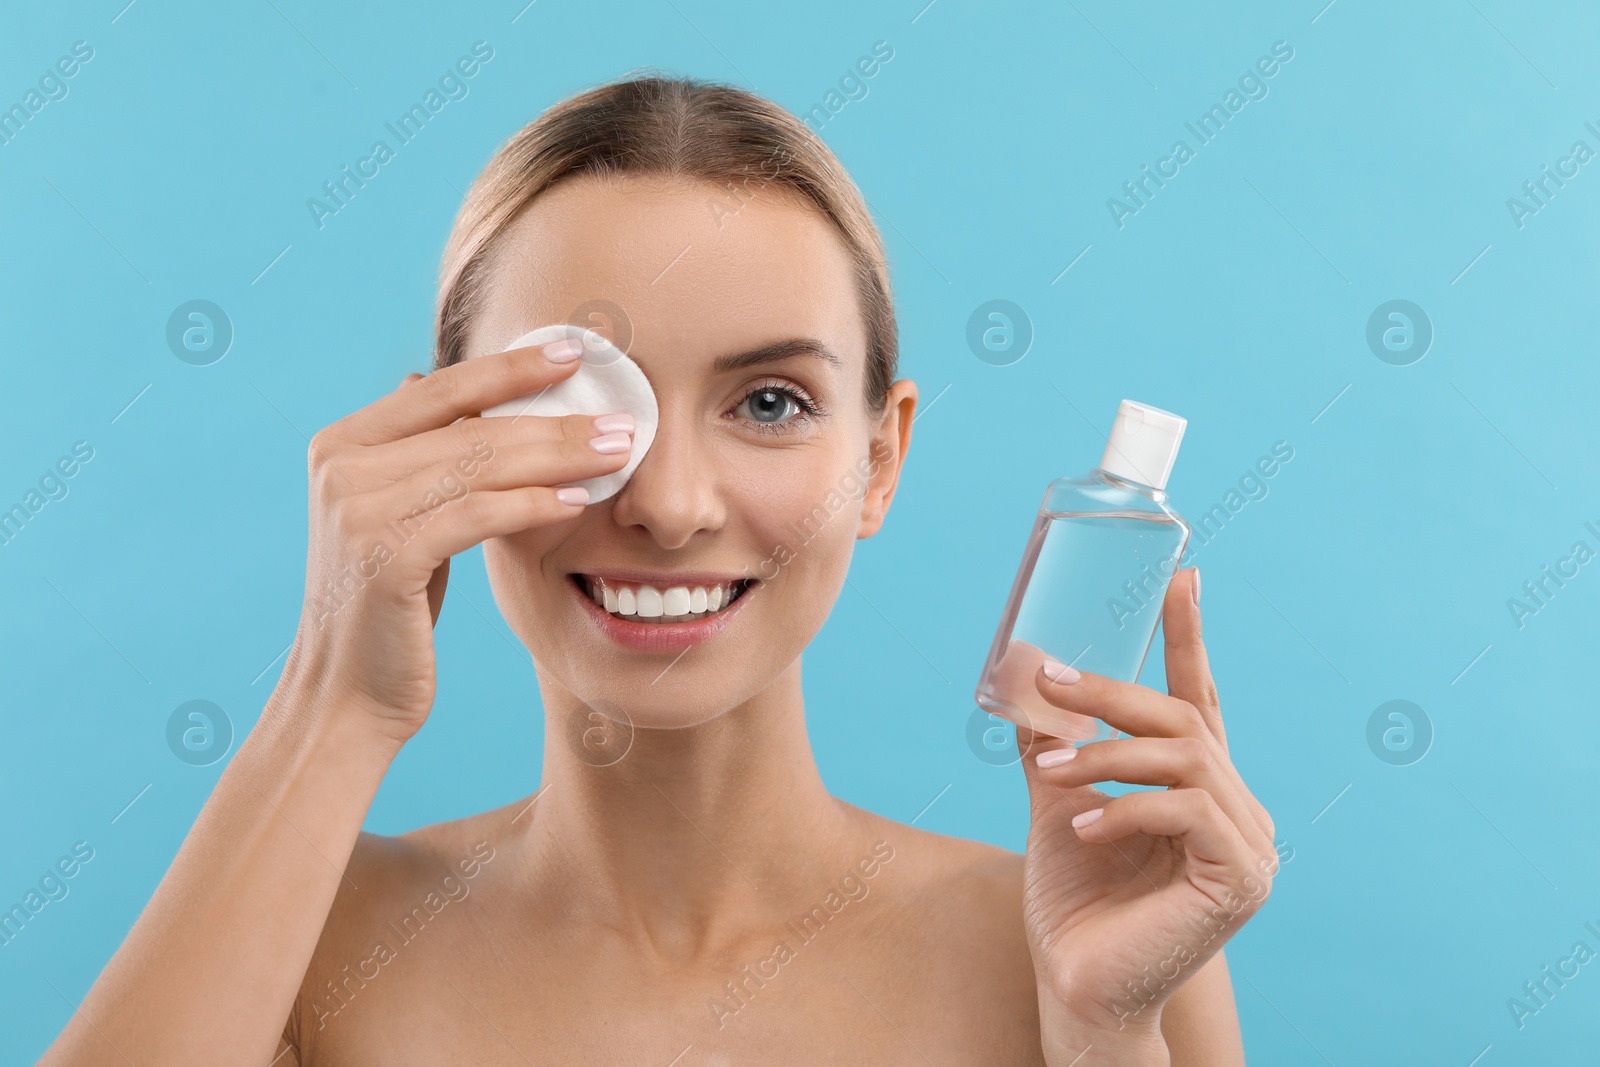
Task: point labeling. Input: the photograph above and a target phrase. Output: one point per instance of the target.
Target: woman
(681, 889)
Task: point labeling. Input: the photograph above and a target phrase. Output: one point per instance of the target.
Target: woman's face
(764, 474)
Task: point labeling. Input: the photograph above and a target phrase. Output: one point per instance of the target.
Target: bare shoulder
(385, 872)
(965, 897)
(952, 947)
(430, 850)
(392, 890)
(967, 871)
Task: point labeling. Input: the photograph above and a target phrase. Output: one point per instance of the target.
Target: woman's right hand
(405, 483)
(396, 489)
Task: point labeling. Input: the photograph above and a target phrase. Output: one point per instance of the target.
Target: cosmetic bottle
(1089, 591)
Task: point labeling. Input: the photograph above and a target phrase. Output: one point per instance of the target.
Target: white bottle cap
(1143, 444)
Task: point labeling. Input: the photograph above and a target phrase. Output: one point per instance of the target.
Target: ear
(886, 452)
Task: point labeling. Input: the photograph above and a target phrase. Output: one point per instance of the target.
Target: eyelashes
(806, 408)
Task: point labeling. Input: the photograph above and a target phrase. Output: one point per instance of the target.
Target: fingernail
(573, 494)
(621, 421)
(1056, 756)
(611, 442)
(1197, 586)
(563, 351)
(1083, 819)
(1060, 672)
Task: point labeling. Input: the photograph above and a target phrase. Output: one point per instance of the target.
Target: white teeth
(678, 603)
(675, 601)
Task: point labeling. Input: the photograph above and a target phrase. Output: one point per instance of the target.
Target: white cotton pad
(608, 381)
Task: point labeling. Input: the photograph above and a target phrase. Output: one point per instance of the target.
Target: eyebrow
(780, 350)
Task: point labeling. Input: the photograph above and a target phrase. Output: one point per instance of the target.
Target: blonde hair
(674, 127)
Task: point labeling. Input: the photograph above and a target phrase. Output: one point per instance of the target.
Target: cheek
(801, 512)
(520, 589)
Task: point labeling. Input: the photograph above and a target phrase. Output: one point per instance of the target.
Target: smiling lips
(662, 604)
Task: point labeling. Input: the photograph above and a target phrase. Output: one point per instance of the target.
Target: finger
(1046, 794)
(1014, 690)
(1189, 677)
(553, 463)
(1142, 712)
(1188, 669)
(1218, 856)
(1175, 762)
(1127, 706)
(386, 463)
(459, 524)
(458, 390)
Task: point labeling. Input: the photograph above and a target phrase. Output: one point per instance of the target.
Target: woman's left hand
(1126, 897)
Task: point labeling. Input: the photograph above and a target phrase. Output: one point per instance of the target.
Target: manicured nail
(1060, 672)
(573, 494)
(1083, 819)
(563, 351)
(1056, 756)
(1197, 586)
(611, 442)
(619, 422)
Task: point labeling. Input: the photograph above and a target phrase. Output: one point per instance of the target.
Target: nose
(675, 492)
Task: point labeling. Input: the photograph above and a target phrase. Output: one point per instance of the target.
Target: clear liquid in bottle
(1093, 577)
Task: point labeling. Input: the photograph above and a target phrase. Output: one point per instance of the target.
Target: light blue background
(1378, 568)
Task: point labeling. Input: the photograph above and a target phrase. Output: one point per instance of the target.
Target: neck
(688, 839)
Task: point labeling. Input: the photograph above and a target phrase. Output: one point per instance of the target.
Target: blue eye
(772, 404)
